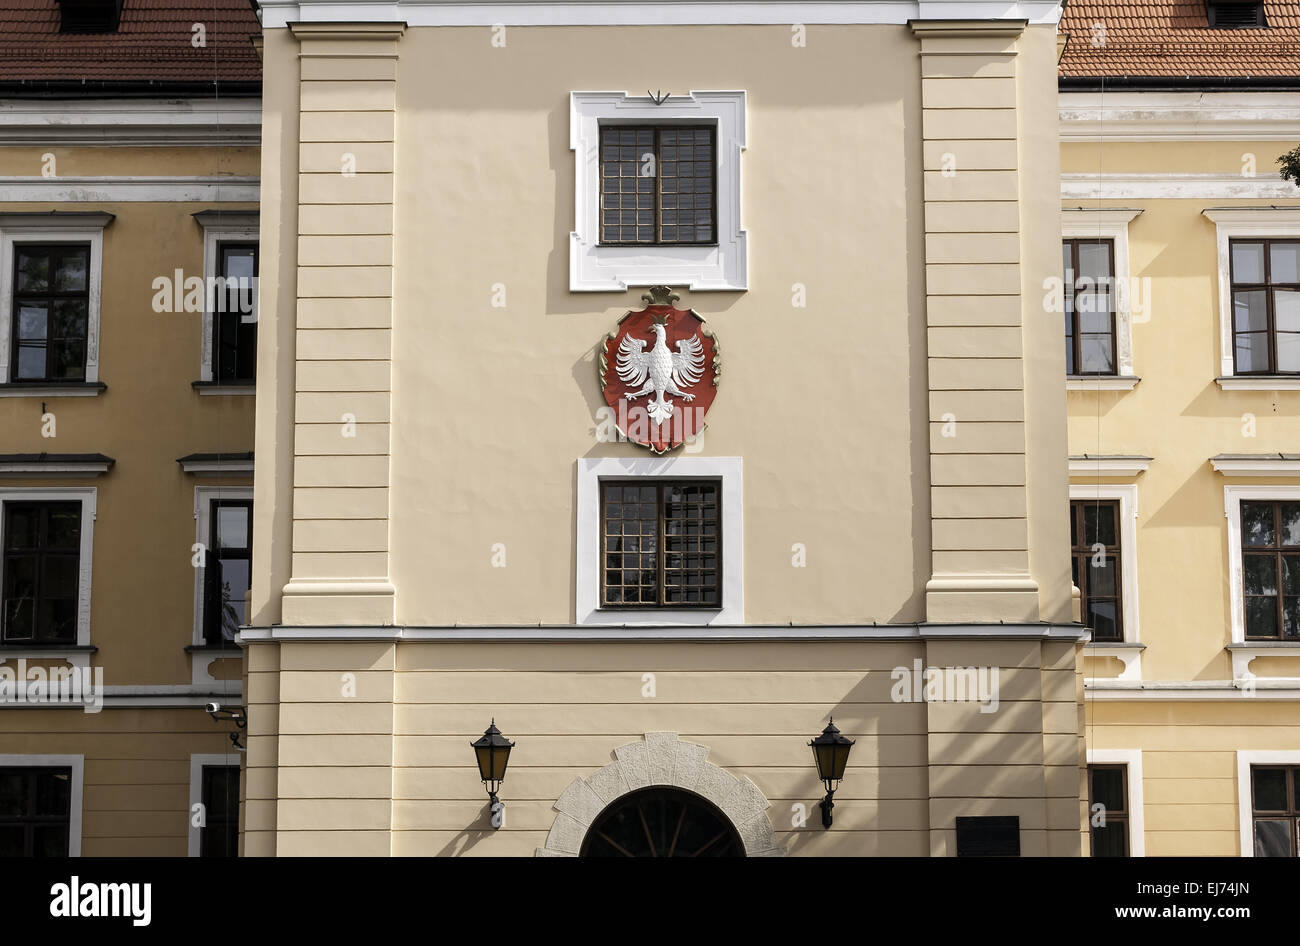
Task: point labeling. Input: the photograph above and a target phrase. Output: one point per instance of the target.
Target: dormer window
(89, 16)
(1235, 14)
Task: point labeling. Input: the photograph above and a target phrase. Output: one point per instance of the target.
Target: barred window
(661, 544)
(657, 185)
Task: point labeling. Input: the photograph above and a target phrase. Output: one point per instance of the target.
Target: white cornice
(1117, 466)
(1166, 185)
(276, 14)
(131, 122)
(1179, 116)
(72, 190)
(1270, 464)
(753, 633)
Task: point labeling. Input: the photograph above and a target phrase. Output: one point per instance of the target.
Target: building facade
(1183, 403)
(128, 181)
(484, 228)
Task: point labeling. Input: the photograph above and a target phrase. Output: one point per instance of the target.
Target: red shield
(659, 373)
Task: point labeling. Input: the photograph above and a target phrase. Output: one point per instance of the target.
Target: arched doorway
(662, 822)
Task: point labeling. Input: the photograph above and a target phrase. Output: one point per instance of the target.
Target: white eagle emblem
(659, 370)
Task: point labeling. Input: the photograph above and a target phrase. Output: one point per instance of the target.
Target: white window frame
(1244, 223)
(198, 762)
(1127, 494)
(87, 497)
(1109, 224)
(1245, 801)
(83, 232)
(597, 268)
(203, 498)
(590, 473)
(1132, 759)
(77, 763)
(242, 227)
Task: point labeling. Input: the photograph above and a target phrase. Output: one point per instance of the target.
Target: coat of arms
(659, 372)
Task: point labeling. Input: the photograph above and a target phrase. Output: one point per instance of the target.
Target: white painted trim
(41, 122)
(53, 390)
(77, 763)
(214, 234)
(1260, 383)
(226, 390)
(1257, 466)
(32, 468)
(109, 189)
(1129, 467)
(203, 498)
(150, 697)
(278, 14)
(1132, 758)
(198, 762)
(1245, 803)
(85, 233)
(596, 633)
(596, 268)
(1194, 691)
(1102, 383)
(1232, 497)
(661, 758)
(1235, 223)
(1127, 185)
(1127, 494)
(1179, 116)
(86, 495)
(1108, 224)
(218, 467)
(730, 470)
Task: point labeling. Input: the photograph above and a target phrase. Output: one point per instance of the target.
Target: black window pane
(13, 840)
(1261, 617)
(1108, 789)
(1110, 840)
(13, 794)
(1269, 789)
(1099, 524)
(1101, 576)
(53, 792)
(1260, 574)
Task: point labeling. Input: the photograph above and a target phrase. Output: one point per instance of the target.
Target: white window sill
(215, 387)
(1243, 652)
(1259, 382)
(1078, 382)
(45, 389)
(1130, 654)
(78, 655)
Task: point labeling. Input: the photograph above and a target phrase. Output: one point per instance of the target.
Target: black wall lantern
(493, 753)
(831, 751)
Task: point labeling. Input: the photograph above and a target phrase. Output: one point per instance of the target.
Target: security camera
(213, 707)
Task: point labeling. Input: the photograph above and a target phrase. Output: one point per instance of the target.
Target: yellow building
(1183, 401)
(128, 182)
(463, 203)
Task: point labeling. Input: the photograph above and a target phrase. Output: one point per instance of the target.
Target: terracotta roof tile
(152, 44)
(1173, 38)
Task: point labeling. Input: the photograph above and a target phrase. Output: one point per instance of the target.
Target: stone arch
(660, 758)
